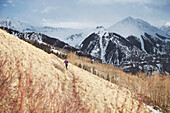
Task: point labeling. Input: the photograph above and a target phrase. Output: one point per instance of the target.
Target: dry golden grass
(35, 81)
(154, 89)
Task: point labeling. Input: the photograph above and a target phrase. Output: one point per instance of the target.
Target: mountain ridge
(108, 46)
(130, 53)
(136, 27)
(63, 34)
(74, 36)
(166, 28)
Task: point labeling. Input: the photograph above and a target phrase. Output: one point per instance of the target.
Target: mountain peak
(129, 18)
(100, 27)
(136, 27)
(6, 22)
(166, 28)
(136, 21)
(7, 18)
(15, 25)
(100, 30)
(167, 24)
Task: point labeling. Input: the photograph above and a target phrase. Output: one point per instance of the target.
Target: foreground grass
(22, 92)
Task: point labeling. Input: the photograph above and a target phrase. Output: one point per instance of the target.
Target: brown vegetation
(21, 92)
(153, 90)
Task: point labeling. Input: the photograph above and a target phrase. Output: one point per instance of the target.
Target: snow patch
(151, 108)
(140, 67)
(167, 24)
(125, 67)
(57, 52)
(142, 44)
(159, 66)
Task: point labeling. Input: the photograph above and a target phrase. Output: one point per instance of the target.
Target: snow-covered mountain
(16, 25)
(68, 35)
(41, 38)
(132, 44)
(166, 28)
(47, 43)
(130, 53)
(136, 27)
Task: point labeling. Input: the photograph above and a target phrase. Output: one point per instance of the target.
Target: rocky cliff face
(132, 54)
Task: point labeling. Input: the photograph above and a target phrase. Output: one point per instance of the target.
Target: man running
(66, 63)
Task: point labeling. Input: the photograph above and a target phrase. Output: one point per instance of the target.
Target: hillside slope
(93, 93)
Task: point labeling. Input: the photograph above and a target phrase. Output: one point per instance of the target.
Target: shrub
(22, 92)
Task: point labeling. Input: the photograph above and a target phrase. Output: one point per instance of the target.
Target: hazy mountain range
(132, 44)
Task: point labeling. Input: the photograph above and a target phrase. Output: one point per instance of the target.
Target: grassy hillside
(34, 81)
(153, 90)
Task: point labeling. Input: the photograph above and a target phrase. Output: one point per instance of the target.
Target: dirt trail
(84, 84)
(69, 77)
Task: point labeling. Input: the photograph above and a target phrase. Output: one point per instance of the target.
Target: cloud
(10, 1)
(96, 1)
(133, 1)
(35, 10)
(47, 9)
(20, 1)
(114, 1)
(5, 5)
(70, 24)
(154, 2)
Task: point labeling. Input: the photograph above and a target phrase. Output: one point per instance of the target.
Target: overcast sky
(84, 13)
